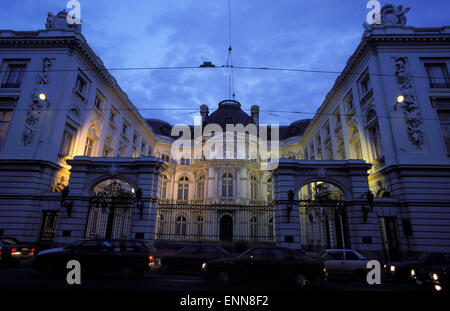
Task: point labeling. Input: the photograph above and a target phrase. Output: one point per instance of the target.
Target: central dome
(229, 112)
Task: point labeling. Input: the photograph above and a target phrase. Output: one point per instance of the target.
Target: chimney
(204, 112)
(255, 114)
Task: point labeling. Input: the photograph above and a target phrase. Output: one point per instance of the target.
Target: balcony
(10, 85)
(443, 85)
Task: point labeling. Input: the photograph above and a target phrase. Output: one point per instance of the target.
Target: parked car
(12, 250)
(266, 263)
(98, 257)
(190, 258)
(400, 271)
(434, 273)
(345, 263)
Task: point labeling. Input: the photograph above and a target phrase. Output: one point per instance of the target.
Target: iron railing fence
(215, 222)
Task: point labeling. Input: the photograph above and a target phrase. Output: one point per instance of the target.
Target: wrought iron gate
(110, 213)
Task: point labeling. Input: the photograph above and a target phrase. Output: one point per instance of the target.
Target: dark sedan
(400, 271)
(435, 274)
(191, 258)
(269, 264)
(12, 250)
(127, 258)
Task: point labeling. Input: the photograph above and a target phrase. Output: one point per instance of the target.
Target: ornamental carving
(413, 117)
(37, 105)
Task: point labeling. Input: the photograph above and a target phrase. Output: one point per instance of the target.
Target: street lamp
(366, 210)
(67, 204)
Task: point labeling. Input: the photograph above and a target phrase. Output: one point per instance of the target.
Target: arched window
(201, 187)
(199, 227)
(183, 189)
(227, 185)
(253, 187)
(254, 228)
(269, 190)
(164, 187)
(374, 135)
(180, 225)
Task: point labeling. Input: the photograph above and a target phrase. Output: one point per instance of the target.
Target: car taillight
(13, 250)
(324, 270)
(151, 258)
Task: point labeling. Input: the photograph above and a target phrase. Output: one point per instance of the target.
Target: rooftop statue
(59, 21)
(391, 15)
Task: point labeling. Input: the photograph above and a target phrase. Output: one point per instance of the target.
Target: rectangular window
(135, 138)
(438, 75)
(124, 128)
(113, 116)
(348, 102)
(98, 103)
(89, 147)
(80, 85)
(444, 120)
(5, 119)
(365, 85)
(65, 148)
(14, 76)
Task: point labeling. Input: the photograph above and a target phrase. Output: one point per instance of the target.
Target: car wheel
(126, 273)
(300, 281)
(223, 277)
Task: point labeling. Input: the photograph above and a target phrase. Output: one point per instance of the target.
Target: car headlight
(204, 266)
(434, 276)
(413, 273)
(438, 288)
(392, 268)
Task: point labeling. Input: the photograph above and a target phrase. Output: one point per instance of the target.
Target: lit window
(227, 185)
(183, 189)
(89, 147)
(253, 187)
(180, 225)
(5, 119)
(65, 148)
(164, 187)
(201, 187)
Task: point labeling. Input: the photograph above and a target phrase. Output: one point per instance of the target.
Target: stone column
(287, 221)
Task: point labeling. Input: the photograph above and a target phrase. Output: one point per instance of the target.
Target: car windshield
(9, 241)
(76, 243)
(416, 257)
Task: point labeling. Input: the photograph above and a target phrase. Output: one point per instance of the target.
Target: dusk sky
(316, 35)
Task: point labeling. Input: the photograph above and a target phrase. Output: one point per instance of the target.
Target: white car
(345, 262)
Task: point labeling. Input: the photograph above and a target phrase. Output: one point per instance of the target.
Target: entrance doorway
(226, 228)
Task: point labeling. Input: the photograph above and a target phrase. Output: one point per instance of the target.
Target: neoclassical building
(370, 171)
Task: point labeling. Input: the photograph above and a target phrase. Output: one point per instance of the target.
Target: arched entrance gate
(318, 204)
